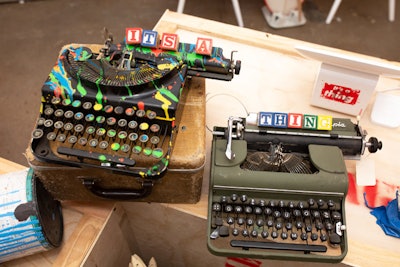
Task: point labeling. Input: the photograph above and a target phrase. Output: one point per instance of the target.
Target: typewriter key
(115, 146)
(40, 121)
(78, 116)
(111, 121)
(147, 151)
(122, 135)
(154, 140)
(82, 141)
(76, 103)
(48, 123)
(140, 113)
(37, 133)
(69, 114)
(125, 148)
(132, 124)
(93, 142)
(61, 138)
(151, 114)
(97, 107)
(144, 126)
(90, 130)
(66, 102)
(137, 149)
(68, 126)
(100, 119)
(144, 138)
(72, 139)
(130, 112)
(111, 133)
(59, 113)
(103, 144)
(55, 100)
(101, 131)
(87, 105)
(78, 128)
(118, 110)
(133, 136)
(58, 124)
(48, 111)
(157, 153)
(89, 117)
(108, 109)
(122, 123)
(154, 128)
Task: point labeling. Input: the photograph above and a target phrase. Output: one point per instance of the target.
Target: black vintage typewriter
(117, 107)
(278, 188)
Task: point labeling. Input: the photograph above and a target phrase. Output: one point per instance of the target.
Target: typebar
(279, 246)
(96, 156)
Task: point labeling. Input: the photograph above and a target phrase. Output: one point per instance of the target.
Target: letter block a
(204, 46)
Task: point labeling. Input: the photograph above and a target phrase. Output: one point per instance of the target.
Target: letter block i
(133, 35)
(204, 46)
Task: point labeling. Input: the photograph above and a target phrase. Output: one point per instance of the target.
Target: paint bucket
(30, 219)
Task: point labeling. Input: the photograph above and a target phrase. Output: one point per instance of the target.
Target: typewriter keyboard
(104, 133)
(306, 226)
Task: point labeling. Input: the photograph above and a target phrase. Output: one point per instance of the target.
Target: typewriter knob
(374, 145)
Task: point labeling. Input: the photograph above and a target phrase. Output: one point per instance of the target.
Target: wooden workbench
(274, 77)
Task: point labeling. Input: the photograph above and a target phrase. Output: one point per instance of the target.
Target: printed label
(340, 94)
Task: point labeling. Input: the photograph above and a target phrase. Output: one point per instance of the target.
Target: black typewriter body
(116, 108)
(270, 198)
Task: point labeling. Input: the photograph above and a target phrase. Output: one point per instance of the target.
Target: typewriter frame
(227, 176)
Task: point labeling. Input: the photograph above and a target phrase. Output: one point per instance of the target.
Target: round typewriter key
(101, 131)
(59, 113)
(235, 231)
(68, 126)
(69, 114)
(129, 111)
(154, 140)
(115, 146)
(78, 116)
(118, 110)
(147, 151)
(72, 139)
(154, 128)
(151, 114)
(51, 136)
(48, 123)
(97, 107)
(87, 105)
(40, 121)
(55, 100)
(89, 117)
(157, 153)
(93, 142)
(58, 124)
(61, 138)
(111, 121)
(82, 141)
(140, 113)
(144, 138)
(48, 111)
(76, 103)
(37, 133)
(125, 148)
(90, 130)
(103, 144)
(132, 124)
(78, 128)
(122, 135)
(122, 123)
(111, 133)
(66, 102)
(137, 149)
(133, 136)
(144, 126)
(108, 109)
(100, 119)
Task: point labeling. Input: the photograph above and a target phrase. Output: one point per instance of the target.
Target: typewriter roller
(279, 193)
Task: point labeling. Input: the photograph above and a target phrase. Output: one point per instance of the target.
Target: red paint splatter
(141, 105)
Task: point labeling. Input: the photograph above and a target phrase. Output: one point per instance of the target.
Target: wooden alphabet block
(310, 122)
(204, 46)
(150, 39)
(295, 120)
(133, 35)
(169, 41)
(324, 123)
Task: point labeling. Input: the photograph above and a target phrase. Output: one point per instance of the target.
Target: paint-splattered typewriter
(278, 186)
(117, 107)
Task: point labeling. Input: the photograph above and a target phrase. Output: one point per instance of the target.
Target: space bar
(280, 246)
(95, 155)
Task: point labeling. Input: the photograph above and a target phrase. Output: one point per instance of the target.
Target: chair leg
(333, 10)
(392, 9)
(238, 13)
(181, 6)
